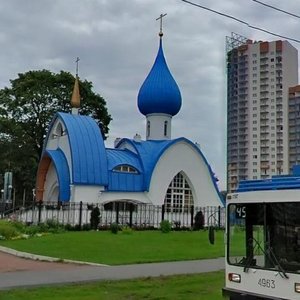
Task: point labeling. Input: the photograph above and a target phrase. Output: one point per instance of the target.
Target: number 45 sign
(240, 212)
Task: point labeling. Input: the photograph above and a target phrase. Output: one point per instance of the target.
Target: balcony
(264, 166)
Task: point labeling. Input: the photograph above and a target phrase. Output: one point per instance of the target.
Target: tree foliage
(26, 109)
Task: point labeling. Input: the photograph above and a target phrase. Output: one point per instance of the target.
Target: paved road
(27, 273)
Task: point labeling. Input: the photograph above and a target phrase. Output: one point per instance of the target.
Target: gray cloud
(117, 43)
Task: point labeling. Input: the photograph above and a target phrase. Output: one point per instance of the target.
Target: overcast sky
(117, 41)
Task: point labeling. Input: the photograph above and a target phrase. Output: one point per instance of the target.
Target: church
(76, 165)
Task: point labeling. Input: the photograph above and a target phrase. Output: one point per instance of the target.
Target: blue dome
(159, 92)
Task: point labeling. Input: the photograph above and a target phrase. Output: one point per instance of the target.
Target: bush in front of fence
(7, 231)
(95, 218)
(165, 226)
(114, 228)
(18, 230)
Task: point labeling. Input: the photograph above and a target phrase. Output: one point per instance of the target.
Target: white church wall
(155, 127)
(183, 157)
(86, 193)
(142, 197)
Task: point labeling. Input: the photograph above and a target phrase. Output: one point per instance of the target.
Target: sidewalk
(50, 273)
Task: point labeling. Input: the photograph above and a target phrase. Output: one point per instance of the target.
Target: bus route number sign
(240, 212)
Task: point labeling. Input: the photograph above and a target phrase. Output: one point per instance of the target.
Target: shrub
(86, 227)
(95, 217)
(20, 227)
(126, 230)
(199, 221)
(69, 227)
(114, 228)
(8, 231)
(54, 226)
(165, 226)
(32, 230)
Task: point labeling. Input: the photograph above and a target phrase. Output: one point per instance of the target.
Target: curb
(47, 258)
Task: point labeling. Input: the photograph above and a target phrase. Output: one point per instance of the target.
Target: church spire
(159, 97)
(75, 100)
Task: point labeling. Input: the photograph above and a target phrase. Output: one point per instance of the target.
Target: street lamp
(2, 202)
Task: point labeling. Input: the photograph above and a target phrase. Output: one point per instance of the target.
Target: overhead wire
(276, 8)
(241, 21)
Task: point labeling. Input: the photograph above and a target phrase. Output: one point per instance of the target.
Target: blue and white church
(76, 166)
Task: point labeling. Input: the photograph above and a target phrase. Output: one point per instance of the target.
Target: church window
(166, 128)
(179, 196)
(59, 131)
(125, 169)
(148, 128)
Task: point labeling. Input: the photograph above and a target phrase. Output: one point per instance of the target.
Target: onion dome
(159, 93)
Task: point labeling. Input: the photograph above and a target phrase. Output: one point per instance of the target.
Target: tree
(26, 109)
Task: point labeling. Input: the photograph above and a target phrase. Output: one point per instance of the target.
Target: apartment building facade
(259, 75)
(294, 126)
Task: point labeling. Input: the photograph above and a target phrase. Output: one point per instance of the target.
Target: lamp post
(2, 202)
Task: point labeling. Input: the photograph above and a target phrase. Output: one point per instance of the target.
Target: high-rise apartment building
(259, 75)
(294, 126)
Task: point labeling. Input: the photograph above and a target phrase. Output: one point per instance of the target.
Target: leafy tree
(26, 109)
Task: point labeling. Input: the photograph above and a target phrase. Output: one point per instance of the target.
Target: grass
(115, 249)
(184, 287)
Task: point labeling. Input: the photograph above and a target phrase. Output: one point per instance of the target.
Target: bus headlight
(234, 277)
(297, 287)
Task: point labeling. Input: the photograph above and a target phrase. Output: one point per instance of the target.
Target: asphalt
(55, 273)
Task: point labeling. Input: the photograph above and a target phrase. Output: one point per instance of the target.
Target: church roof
(124, 181)
(159, 93)
(150, 152)
(118, 157)
(88, 155)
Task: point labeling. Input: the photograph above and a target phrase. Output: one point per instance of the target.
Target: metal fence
(122, 213)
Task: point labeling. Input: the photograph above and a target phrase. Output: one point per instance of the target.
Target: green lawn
(114, 249)
(189, 287)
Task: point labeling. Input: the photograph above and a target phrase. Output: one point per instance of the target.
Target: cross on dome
(160, 18)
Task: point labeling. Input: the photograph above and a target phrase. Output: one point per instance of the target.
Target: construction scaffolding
(234, 41)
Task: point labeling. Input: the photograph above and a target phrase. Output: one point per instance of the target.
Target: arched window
(166, 128)
(148, 128)
(179, 196)
(59, 131)
(125, 169)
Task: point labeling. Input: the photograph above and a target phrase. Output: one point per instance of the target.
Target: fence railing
(133, 215)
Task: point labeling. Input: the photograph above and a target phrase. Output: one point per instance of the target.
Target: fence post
(80, 215)
(117, 212)
(130, 214)
(192, 216)
(219, 217)
(40, 211)
(162, 212)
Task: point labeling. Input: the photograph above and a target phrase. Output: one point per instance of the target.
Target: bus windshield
(264, 235)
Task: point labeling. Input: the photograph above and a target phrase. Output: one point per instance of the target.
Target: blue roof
(62, 170)
(150, 152)
(277, 182)
(117, 157)
(159, 93)
(119, 181)
(87, 149)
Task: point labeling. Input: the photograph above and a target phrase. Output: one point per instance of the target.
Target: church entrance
(121, 211)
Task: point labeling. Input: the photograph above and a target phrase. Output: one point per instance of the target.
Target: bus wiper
(268, 252)
(275, 261)
(250, 260)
